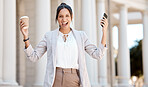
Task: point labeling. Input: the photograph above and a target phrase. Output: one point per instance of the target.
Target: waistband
(67, 70)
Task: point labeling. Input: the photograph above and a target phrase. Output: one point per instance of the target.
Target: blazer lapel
(54, 44)
(78, 40)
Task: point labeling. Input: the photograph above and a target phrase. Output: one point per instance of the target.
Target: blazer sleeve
(35, 54)
(92, 50)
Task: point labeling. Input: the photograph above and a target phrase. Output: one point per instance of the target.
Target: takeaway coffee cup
(25, 19)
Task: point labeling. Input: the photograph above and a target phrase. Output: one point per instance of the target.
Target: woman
(66, 66)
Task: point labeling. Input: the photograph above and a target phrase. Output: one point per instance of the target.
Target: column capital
(122, 6)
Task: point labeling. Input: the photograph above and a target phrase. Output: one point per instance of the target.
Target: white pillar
(100, 11)
(1, 38)
(123, 51)
(145, 48)
(87, 27)
(112, 65)
(103, 63)
(94, 39)
(9, 42)
(71, 4)
(87, 17)
(43, 25)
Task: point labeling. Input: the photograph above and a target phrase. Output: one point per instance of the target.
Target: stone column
(9, 42)
(103, 63)
(1, 38)
(123, 51)
(43, 25)
(94, 40)
(87, 26)
(145, 48)
(87, 17)
(111, 61)
(71, 4)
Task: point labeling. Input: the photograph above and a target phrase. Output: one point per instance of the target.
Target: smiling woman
(65, 46)
(64, 17)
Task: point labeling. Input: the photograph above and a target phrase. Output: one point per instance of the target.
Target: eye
(67, 15)
(60, 16)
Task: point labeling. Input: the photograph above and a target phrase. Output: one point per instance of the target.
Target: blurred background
(124, 64)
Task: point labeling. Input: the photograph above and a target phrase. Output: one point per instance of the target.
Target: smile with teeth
(65, 23)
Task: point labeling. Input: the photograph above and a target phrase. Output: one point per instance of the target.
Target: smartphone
(105, 15)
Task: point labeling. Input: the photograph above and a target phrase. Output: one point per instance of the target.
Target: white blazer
(48, 43)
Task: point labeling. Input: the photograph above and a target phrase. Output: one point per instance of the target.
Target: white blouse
(67, 52)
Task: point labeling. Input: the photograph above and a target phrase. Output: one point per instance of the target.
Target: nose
(64, 19)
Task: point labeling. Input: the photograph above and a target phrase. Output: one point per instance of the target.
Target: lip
(64, 24)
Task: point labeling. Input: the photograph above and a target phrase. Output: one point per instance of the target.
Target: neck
(65, 31)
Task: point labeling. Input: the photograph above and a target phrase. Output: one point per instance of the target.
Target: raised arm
(91, 49)
(40, 49)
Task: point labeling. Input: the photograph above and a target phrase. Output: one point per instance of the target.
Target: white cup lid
(24, 17)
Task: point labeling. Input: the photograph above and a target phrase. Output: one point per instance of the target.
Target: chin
(65, 27)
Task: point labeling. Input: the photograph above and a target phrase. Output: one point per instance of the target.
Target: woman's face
(64, 18)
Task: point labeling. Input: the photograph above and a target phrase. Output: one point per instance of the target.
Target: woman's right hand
(24, 31)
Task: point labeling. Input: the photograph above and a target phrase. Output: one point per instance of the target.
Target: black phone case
(105, 15)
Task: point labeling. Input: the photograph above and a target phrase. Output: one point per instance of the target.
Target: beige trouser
(66, 78)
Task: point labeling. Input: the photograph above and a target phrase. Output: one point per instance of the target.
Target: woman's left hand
(104, 23)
